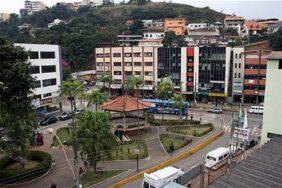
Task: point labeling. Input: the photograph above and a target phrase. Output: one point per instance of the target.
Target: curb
(168, 162)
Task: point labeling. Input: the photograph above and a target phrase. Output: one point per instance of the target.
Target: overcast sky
(247, 8)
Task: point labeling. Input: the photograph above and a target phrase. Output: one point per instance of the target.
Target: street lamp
(51, 131)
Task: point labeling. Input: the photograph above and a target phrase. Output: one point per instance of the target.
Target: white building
(34, 6)
(55, 22)
(272, 115)
(153, 35)
(238, 73)
(233, 21)
(46, 68)
(197, 25)
(4, 17)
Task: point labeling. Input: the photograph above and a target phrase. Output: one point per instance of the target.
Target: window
(239, 75)
(49, 82)
(99, 64)
(47, 95)
(107, 64)
(235, 75)
(148, 73)
(34, 70)
(117, 64)
(137, 64)
(236, 56)
(48, 68)
(280, 64)
(100, 55)
(240, 56)
(137, 54)
(47, 55)
(239, 64)
(148, 54)
(116, 54)
(138, 73)
(235, 65)
(148, 63)
(128, 64)
(127, 54)
(36, 84)
(148, 82)
(33, 55)
(117, 72)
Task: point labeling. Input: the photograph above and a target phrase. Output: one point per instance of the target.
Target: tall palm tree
(132, 84)
(95, 97)
(178, 102)
(164, 91)
(94, 135)
(106, 79)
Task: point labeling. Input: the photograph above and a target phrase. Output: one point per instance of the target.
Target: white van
(216, 156)
(162, 178)
(256, 110)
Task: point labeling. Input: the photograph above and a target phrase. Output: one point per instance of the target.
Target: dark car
(216, 110)
(65, 116)
(48, 120)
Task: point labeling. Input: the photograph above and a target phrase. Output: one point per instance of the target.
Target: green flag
(232, 125)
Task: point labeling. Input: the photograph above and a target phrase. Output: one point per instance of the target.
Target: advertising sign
(241, 133)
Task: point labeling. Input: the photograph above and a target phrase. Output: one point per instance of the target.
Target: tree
(94, 135)
(136, 28)
(276, 40)
(132, 84)
(171, 39)
(178, 102)
(16, 111)
(106, 79)
(96, 97)
(164, 91)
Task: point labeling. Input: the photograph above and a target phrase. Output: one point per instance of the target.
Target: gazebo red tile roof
(125, 104)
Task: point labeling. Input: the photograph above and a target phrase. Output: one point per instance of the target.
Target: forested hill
(87, 27)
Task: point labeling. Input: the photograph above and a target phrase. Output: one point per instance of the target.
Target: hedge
(13, 176)
(166, 122)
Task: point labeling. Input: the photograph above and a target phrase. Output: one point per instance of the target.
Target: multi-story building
(251, 28)
(233, 21)
(34, 6)
(237, 70)
(270, 24)
(192, 26)
(188, 71)
(122, 62)
(207, 35)
(177, 25)
(153, 24)
(254, 75)
(4, 17)
(153, 35)
(129, 40)
(272, 119)
(45, 67)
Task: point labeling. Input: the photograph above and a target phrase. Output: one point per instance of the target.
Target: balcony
(251, 71)
(190, 74)
(250, 82)
(189, 64)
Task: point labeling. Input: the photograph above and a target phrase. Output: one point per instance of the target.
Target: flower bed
(197, 131)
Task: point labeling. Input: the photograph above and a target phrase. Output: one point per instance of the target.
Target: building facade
(192, 26)
(4, 17)
(177, 25)
(237, 73)
(122, 62)
(233, 21)
(129, 40)
(272, 119)
(34, 6)
(46, 68)
(254, 75)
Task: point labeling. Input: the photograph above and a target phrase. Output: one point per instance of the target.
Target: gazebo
(127, 111)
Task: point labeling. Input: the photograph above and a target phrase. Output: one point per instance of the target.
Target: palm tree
(132, 84)
(106, 79)
(95, 97)
(94, 135)
(178, 102)
(164, 91)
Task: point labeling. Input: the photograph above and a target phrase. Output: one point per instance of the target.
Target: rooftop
(234, 18)
(275, 55)
(125, 104)
(164, 173)
(261, 169)
(218, 151)
(253, 25)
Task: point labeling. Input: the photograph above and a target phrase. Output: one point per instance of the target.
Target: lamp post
(51, 131)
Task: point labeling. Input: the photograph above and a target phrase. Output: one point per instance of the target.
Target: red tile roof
(125, 104)
(253, 25)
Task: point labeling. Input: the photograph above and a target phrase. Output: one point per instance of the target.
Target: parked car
(79, 111)
(48, 120)
(216, 110)
(65, 116)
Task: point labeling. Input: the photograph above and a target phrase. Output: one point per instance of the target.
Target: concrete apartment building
(4, 17)
(254, 75)
(237, 65)
(233, 21)
(192, 26)
(175, 24)
(34, 6)
(122, 62)
(46, 68)
(153, 24)
(272, 119)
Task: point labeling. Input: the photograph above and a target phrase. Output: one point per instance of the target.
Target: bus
(166, 106)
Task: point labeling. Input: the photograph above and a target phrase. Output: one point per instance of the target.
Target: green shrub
(15, 176)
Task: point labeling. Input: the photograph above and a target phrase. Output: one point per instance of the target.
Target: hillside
(88, 27)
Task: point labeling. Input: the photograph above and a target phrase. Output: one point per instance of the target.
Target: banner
(241, 133)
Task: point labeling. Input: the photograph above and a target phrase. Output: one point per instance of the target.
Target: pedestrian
(41, 137)
(53, 185)
(81, 171)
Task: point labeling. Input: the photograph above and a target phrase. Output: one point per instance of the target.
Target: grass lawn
(178, 142)
(91, 178)
(127, 152)
(197, 131)
(65, 135)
